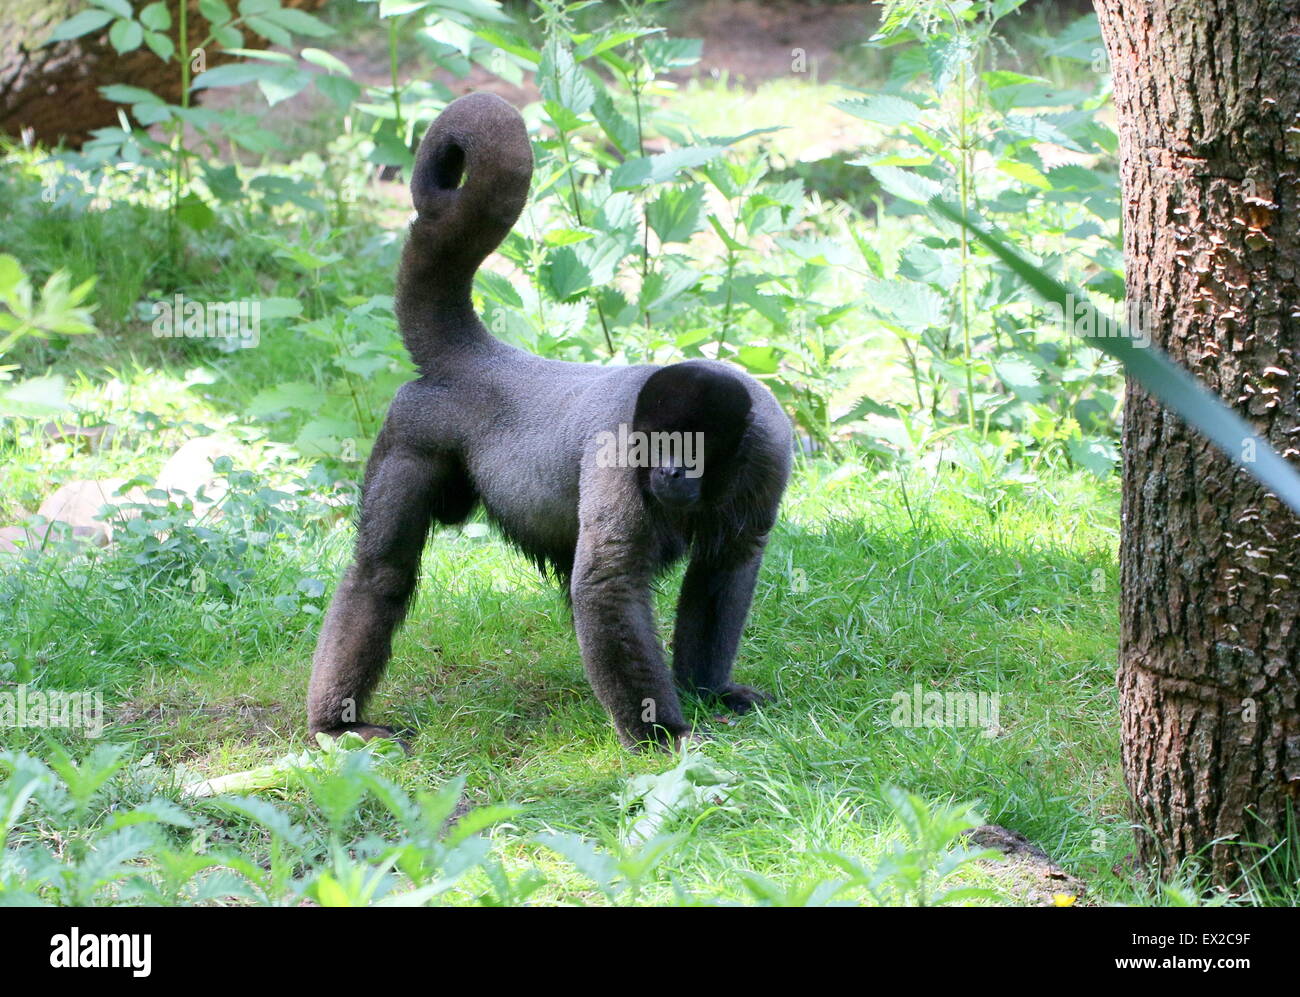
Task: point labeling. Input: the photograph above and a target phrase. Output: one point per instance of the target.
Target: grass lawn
(872, 587)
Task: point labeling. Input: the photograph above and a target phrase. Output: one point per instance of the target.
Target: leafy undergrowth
(877, 593)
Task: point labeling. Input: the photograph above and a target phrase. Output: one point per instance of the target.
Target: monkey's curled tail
(481, 140)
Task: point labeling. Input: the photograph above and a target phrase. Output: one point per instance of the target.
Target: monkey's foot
(741, 698)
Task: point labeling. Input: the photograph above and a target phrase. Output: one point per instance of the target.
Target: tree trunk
(53, 90)
(1207, 94)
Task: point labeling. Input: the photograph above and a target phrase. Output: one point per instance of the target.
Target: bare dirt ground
(746, 43)
(750, 41)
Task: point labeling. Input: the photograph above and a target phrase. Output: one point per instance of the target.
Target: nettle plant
(192, 148)
(995, 380)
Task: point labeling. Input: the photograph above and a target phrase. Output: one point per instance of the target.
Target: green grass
(859, 599)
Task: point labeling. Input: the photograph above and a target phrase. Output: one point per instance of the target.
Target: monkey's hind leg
(404, 490)
(711, 614)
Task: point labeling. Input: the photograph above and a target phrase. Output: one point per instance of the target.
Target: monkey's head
(689, 422)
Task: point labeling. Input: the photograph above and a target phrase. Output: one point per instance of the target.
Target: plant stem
(963, 165)
(178, 140)
(395, 89)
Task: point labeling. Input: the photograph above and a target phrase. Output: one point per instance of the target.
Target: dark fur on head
(487, 423)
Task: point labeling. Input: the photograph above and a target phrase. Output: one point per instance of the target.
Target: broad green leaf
(619, 129)
(1094, 455)
(600, 42)
(820, 252)
(284, 83)
(674, 215)
(1024, 173)
(1072, 177)
(662, 167)
(326, 60)
(121, 93)
(81, 24)
(126, 36)
(269, 30)
(882, 109)
(947, 55)
(617, 213)
(296, 395)
(228, 37)
(725, 236)
(397, 8)
(36, 396)
(663, 53)
(864, 407)
(232, 74)
(340, 90)
(1020, 376)
(478, 10)
(913, 306)
(939, 267)
(195, 213)
(565, 274)
(156, 16)
(905, 184)
(1034, 95)
(223, 182)
(160, 45)
(299, 22)
(497, 288)
(567, 236)
(561, 80)
(1039, 130)
(215, 11)
(770, 306)
(122, 8)
(759, 359)
(664, 286)
(11, 275)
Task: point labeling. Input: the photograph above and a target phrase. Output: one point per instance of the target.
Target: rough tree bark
(53, 89)
(1208, 99)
